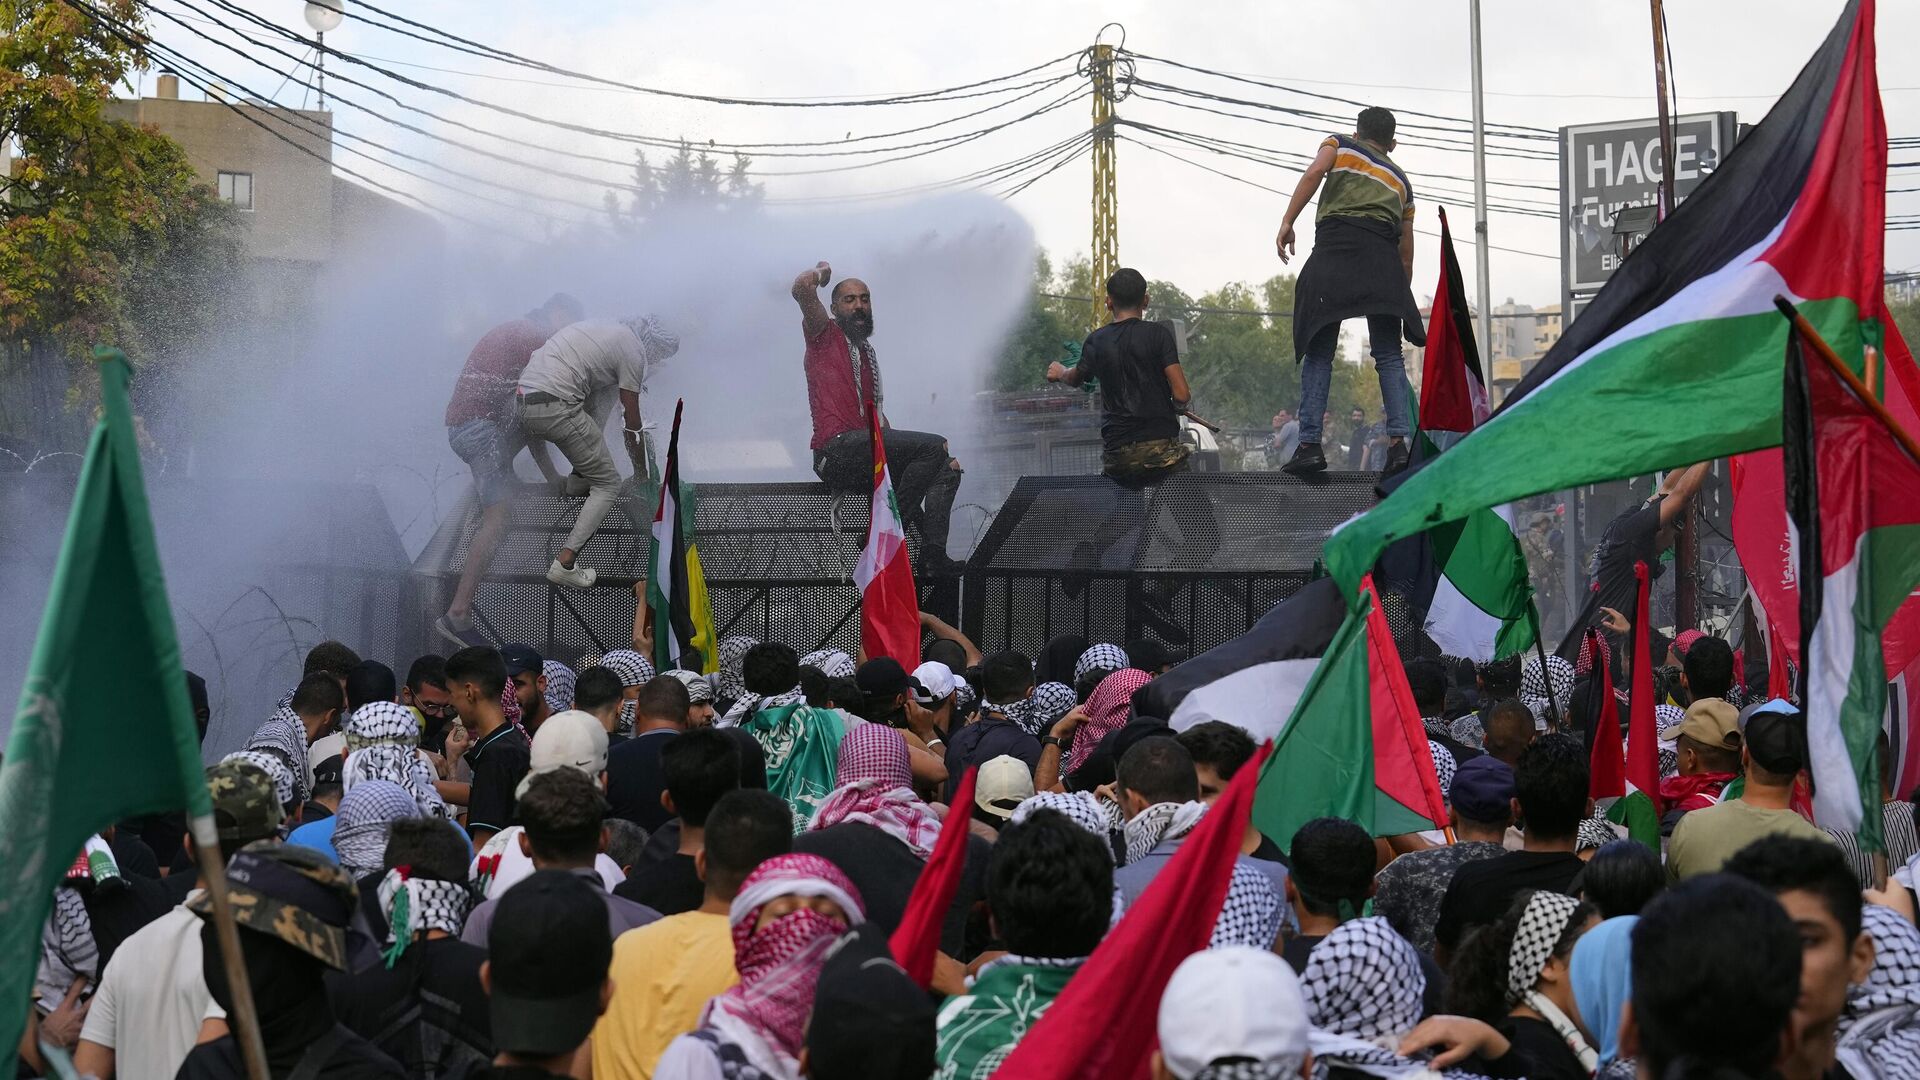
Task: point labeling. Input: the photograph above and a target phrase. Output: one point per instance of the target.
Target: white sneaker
(580, 577)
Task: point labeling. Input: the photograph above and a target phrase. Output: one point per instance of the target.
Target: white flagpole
(1482, 273)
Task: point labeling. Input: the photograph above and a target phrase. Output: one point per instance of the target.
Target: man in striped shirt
(1361, 264)
(1897, 828)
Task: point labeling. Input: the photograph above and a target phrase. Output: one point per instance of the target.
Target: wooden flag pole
(245, 1022)
(1854, 382)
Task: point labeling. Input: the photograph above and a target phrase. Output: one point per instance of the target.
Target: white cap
(1003, 783)
(572, 739)
(1232, 1002)
(936, 680)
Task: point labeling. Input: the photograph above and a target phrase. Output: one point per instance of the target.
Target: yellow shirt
(663, 975)
(1705, 839)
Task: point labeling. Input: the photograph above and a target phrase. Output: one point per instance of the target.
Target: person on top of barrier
(566, 393)
(1143, 391)
(843, 375)
(1361, 264)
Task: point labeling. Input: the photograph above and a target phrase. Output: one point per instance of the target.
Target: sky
(1545, 66)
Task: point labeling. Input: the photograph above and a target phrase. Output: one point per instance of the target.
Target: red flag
(1607, 760)
(917, 938)
(1105, 1023)
(889, 602)
(1402, 762)
(1453, 392)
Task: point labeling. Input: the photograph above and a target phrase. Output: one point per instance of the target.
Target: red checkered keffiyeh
(765, 1013)
(1107, 712)
(875, 786)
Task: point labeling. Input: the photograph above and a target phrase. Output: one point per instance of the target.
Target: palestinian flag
(1631, 781)
(1473, 583)
(1678, 358)
(676, 587)
(1852, 479)
(1352, 744)
(889, 603)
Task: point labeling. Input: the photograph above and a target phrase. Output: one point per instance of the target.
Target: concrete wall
(292, 216)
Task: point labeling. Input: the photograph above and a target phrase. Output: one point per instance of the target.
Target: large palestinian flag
(1853, 496)
(676, 586)
(1332, 694)
(1678, 358)
(1471, 583)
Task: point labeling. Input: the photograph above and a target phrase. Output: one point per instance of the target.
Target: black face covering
(289, 995)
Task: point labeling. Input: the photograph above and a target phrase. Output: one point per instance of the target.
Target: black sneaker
(1396, 458)
(1307, 460)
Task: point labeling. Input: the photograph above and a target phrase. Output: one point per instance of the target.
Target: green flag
(104, 729)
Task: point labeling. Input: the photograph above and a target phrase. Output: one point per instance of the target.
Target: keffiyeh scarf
(560, 679)
(1467, 731)
(733, 653)
(765, 1013)
(360, 830)
(1443, 767)
(382, 744)
(744, 708)
(1542, 924)
(633, 670)
(1363, 987)
(1107, 712)
(1161, 821)
(1038, 714)
(1252, 913)
(1101, 658)
(699, 690)
(1880, 1030)
(414, 904)
(832, 663)
(1556, 682)
(285, 736)
(1083, 808)
(275, 769)
(874, 784)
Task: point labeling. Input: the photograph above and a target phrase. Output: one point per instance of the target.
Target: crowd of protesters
(500, 865)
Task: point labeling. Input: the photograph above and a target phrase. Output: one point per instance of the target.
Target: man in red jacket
(843, 374)
(482, 430)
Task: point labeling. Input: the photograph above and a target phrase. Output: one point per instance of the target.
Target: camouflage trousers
(1145, 462)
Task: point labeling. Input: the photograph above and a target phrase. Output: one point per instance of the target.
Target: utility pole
(1483, 275)
(1106, 204)
(1686, 554)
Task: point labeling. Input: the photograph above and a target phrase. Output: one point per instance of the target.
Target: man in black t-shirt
(1143, 391)
(476, 678)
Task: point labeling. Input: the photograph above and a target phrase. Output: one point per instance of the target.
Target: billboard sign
(1604, 167)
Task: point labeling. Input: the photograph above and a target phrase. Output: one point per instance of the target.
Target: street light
(322, 16)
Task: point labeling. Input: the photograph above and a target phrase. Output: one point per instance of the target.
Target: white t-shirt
(586, 358)
(153, 998)
(514, 866)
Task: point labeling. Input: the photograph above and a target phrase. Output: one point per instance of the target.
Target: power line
(1201, 309)
(1430, 142)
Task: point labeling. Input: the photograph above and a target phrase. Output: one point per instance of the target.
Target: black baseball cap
(548, 952)
(883, 677)
(1777, 740)
(521, 658)
(871, 1021)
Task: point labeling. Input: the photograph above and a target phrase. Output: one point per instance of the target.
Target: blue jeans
(1316, 375)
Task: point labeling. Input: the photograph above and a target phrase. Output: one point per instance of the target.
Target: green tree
(687, 181)
(1906, 315)
(106, 234)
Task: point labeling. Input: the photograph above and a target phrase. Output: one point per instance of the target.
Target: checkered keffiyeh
(275, 769)
(285, 736)
(1080, 807)
(1161, 821)
(1363, 987)
(830, 662)
(1443, 767)
(382, 723)
(699, 690)
(874, 784)
(427, 904)
(1107, 712)
(1099, 657)
(1037, 715)
(1252, 913)
(367, 812)
(1556, 683)
(382, 741)
(1541, 926)
(1880, 1029)
(733, 653)
(560, 679)
(633, 669)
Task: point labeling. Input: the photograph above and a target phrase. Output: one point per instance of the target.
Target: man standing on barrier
(1143, 392)
(843, 374)
(566, 394)
(481, 428)
(1361, 265)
